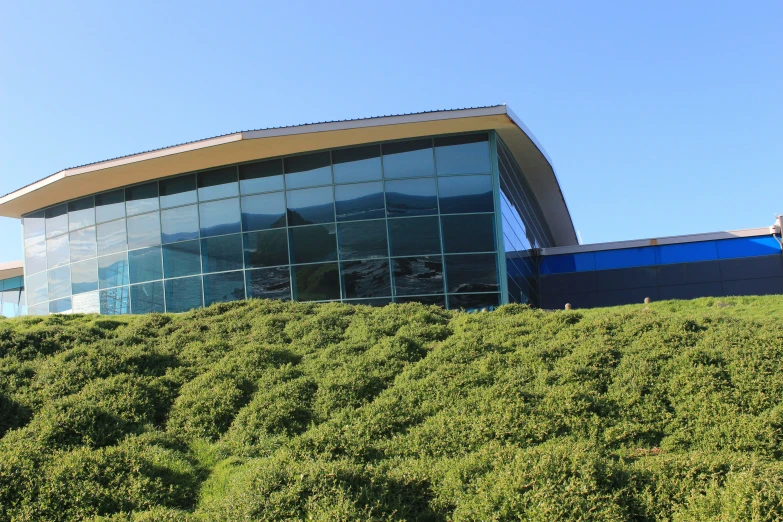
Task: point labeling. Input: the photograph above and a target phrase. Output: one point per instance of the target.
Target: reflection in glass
(220, 254)
(418, 275)
(411, 197)
(472, 302)
(57, 251)
(263, 211)
(81, 213)
(462, 154)
(88, 303)
(313, 244)
(84, 244)
(316, 282)
(471, 273)
(310, 206)
(56, 220)
(220, 288)
(141, 198)
(357, 164)
(179, 224)
(113, 270)
(468, 233)
(182, 259)
(219, 217)
(218, 184)
(266, 248)
(269, 283)
(145, 265)
(112, 237)
(464, 194)
(414, 236)
(36, 288)
(308, 170)
(408, 159)
(61, 306)
(35, 258)
(84, 276)
(59, 282)
(429, 300)
(366, 278)
(34, 227)
(144, 230)
(359, 201)
(41, 309)
(115, 301)
(363, 239)
(264, 176)
(177, 191)
(110, 206)
(183, 294)
(147, 298)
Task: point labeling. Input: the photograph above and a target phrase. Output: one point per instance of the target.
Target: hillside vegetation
(264, 410)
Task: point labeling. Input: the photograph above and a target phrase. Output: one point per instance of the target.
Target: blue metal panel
(568, 263)
(747, 247)
(625, 258)
(686, 252)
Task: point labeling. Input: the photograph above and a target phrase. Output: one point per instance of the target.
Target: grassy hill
(268, 410)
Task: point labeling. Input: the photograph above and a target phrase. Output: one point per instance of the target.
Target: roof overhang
(252, 145)
(11, 269)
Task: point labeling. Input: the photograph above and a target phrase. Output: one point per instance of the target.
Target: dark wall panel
(751, 267)
(766, 286)
(627, 296)
(623, 278)
(691, 291)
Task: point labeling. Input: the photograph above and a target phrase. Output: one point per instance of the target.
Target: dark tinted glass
(366, 278)
(264, 176)
(182, 259)
(470, 233)
(415, 236)
(179, 224)
(220, 254)
(308, 170)
(144, 230)
(746, 247)
(418, 275)
(183, 294)
(56, 220)
(471, 273)
(34, 227)
(36, 287)
(269, 283)
(359, 201)
(115, 301)
(218, 184)
(462, 154)
(111, 237)
(60, 306)
(57, 251)
(411, 197)
(686, 252)
(473, 302)
(147, 298)
(145, 265)
(266, 248)
(310, 206)
(429, 300)
(263, 211)
(113, 270)
(178, 191)
(219, 288)
(463, 194)
(110, 206)
(141, 198)
(35, 258)
(625, 258)
(378, 301)
(81, 213)
(59, 282)
(357, 164)
(363, 239)
(84, 244)
(84, 276)
(408, 159)
(313, 244)
(219, 217)
(316, 282)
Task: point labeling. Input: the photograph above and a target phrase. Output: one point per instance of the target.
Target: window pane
(472, 233)
(357, 164)
(411, 197)
(81, 213)
(141, 198)
(35, 258)
(359, 201)
(408, 159)
(473, 302)
(462, 154)
(57, 251)
(366, 278)
(308, 170)
(183, 294)
(62, 306)
(177, 191)
(115, 301)
(36, 288)
(56, 220)
(264, 176)
(472, 273)
(263, 211)
(463, 194)
(144, 230)
(42, 309)
(111, 237)
(179, 224)
(415, 236)
(266, 248)
(219, 217)
(220, 288)
(316, 282)
(84, 276)
(418, 275)
(10, 305)
(59, 282)
(113, 270)
(313, 244)
(310, 206)
(363, 239)
(86, 303)
(182, 259)
(147, 298)
(110, 206)
(84, 244)
(437, 300)
(220, 254)
(145, 265)
(269, 283)
(218, 184)
(34, 227)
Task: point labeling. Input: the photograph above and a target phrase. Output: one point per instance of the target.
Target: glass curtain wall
(12, 298)
(391, 222)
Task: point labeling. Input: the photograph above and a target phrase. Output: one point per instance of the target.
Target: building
(457, 208)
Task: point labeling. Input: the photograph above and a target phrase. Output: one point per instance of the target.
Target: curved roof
(251, 145)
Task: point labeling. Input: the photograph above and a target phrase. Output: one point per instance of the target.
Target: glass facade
(12, 297)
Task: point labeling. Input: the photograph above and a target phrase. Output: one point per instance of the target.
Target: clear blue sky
(661, 118)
